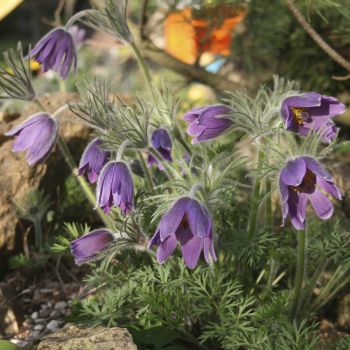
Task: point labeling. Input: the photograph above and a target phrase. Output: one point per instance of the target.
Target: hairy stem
(83, 184)
(255, 201)
(143, 65)
(148, 176)
(299, 276)
(89, 194)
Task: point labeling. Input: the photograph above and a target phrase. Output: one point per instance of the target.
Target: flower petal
(293, 172)
(321, 204)
(166, 248)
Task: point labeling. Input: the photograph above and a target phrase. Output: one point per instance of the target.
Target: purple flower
(301, 180)
(56, 51)
(207, 122)
(115, 186)
(310, 111)
(88, 247)
(188, 222)
(37, 135)
(160, 141)
(92, 160)
(78, 35)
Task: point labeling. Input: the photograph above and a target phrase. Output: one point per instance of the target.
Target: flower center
(308, 183)
(184, 222)
(298, 114)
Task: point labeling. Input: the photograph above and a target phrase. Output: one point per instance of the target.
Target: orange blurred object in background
(187, 37)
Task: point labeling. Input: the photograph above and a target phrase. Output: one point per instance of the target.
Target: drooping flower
(56, 51)
(208, 122)
(328, 131)
(92, 160)
(188, 222)
(37, 135)
(161, 141)
(310, 111)
(78, 35)
(303, 180)
(115, 186)
(91, 245)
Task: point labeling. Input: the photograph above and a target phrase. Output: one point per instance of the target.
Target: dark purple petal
(88, 247)
(191, 247)
(155, 240)
(294, 172)
(166, 248)
(317, 168)
(321, 204)
(171, 221)
(92, 160)
(56, 51)
(198, 219)
(295, 211)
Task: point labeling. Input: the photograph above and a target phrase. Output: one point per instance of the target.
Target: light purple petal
(293, 172)
(198, 219)
(329, 187)
(317, 168)
(321, 204)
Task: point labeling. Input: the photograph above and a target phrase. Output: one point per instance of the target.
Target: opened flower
(303, 180)
(92, 160)
(115, 186)
(90, 246)
(161, 142)
(206, 123)
(56, 51)
(310, 111)
(37, 135)
(188, 222)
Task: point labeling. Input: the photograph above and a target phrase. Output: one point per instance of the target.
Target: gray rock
(52, 325)
(34, 315)
(99, 338)
(55, 314)
(39, 327)
(39, 320)
(60, 305)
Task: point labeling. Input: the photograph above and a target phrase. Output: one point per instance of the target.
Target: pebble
(39, 327)
(34, 315)
(35, 334)
(39, 320)
(60, 305)
(44, 313)
(55, 313)
(52, 325)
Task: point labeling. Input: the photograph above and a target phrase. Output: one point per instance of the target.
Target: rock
(343, 315)
(60, 305)
(8, 320)
(34, 315)
(18, 178)
(55, 314)
(39, 320)
(44, 313)
(99, 338)
(39, 327)
(52, 325)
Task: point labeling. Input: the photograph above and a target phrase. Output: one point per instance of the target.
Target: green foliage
(18, 261)
(74, 230)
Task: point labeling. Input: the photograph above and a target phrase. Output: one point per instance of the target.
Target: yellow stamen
(297, 112)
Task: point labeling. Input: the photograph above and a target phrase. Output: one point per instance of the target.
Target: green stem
(83, 184)
(148, 176)
(255, 200)
(143, 65)
(299, 277)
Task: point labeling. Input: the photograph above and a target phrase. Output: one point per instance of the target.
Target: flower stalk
(299, 277)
